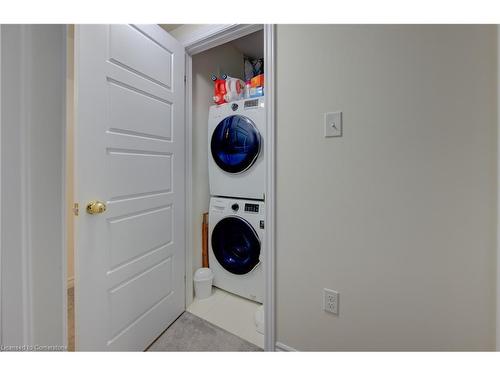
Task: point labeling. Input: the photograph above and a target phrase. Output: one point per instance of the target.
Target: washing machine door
(235, 144)
(236, 245)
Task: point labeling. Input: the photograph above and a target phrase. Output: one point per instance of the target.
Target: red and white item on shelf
(227, 89)
(235, 89)
(219, 90)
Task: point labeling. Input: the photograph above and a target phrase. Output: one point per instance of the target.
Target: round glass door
(236, 245)
(235, 144)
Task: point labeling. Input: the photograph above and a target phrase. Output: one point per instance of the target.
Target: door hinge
(76, 209)
(185, 79)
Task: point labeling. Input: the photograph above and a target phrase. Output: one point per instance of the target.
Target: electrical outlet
(331, 301)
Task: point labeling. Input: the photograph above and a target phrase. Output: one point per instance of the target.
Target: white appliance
(236, 136)
(236, 229)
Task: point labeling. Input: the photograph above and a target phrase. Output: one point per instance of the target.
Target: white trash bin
(259, 319)
(203, 278)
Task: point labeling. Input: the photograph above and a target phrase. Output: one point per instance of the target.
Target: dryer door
(236, 245)
(235, 144)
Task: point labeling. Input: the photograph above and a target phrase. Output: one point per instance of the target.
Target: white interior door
(129, 261)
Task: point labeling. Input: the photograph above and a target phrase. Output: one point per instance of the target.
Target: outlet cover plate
(331, 301)
(333, 124)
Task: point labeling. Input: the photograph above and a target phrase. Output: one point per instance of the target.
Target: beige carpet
(190, 333)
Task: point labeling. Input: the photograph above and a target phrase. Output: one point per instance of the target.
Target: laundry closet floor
(230, 312)
(190, 333)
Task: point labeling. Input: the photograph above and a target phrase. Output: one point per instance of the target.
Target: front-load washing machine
(236, 136)
(236, 229)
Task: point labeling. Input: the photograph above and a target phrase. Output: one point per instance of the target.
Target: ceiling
(251, 45)
(170, 27)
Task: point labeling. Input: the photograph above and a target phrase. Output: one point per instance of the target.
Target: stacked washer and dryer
(236, 169)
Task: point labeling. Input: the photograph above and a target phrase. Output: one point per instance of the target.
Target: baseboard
(280, 347)
(71, 282)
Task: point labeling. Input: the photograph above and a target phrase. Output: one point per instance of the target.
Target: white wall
(1, 336)
(33, 122)
(70, 133)
(187, 33)
(13, 331)
(48, 97)
(223, 59)
(398, 215)
(498, 201)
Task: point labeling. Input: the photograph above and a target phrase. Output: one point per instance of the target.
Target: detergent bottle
(235, 89)
(219, 90)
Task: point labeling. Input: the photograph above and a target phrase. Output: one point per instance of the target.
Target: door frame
(1, 294)
(213, 36)
(497, 335)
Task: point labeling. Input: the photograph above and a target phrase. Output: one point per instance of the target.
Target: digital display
(251, 207)
(251, 103)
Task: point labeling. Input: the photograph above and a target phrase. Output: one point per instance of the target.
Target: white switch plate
(331, 301)
(333, 124)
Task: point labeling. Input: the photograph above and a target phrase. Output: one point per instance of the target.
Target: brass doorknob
(96, 207)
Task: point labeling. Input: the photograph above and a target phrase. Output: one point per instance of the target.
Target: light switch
(333, 124)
